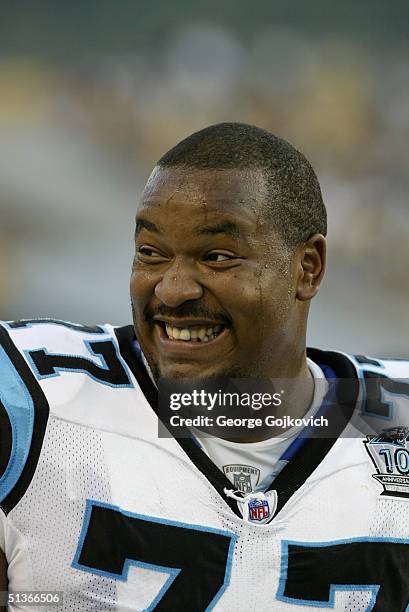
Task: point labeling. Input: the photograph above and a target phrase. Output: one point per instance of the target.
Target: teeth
(201, 333)
(195, 334)
(184, 334)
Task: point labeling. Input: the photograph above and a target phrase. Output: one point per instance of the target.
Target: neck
(296, 393)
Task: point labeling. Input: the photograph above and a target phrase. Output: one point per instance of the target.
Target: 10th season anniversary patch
(389, 452)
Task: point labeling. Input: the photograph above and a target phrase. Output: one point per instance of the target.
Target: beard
(233, 371)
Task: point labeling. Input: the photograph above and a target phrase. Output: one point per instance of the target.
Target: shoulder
(379, 382)
(50, 347)
(378, 388)
(377, 435)
(62, 360)
(36, 333)
(349, 365)
(53, 368)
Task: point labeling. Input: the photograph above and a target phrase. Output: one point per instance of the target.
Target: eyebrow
(145, 224)
(227, 227)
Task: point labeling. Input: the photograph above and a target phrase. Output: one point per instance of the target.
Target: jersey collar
(304, 454)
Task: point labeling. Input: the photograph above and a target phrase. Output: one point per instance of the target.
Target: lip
(181, 323)
(182, 348)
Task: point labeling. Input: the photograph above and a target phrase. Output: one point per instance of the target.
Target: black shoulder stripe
(313, 451)
(15, 492)
(367, 360)
(5, 439)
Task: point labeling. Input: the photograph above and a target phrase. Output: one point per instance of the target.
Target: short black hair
(294, 196)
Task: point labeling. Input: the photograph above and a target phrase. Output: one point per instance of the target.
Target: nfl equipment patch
(389, 452)
(244, 477)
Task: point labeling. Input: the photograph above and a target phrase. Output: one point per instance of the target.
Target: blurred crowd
(78, 140)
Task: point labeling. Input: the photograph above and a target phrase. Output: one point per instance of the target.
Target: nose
(178, 285)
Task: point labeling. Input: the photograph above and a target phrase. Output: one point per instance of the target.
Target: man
(230, 249)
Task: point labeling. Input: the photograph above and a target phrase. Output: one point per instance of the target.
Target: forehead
(228, 193)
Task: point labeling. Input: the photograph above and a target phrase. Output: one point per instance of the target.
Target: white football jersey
(96, 506)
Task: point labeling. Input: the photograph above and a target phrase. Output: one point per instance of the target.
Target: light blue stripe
(20, 408)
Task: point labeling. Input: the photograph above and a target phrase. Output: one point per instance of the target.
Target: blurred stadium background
(92, 93)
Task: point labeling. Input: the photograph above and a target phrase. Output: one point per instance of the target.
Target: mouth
(189, 332)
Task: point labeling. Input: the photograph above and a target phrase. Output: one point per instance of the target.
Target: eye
(146, 253)
(218, 257)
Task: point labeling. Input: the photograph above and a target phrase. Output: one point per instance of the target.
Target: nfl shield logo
(258, 510)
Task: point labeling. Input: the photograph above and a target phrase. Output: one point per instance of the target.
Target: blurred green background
(93, 93)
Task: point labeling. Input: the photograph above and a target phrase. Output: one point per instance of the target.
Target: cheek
(134, 288)
(140, 290)
(257, 292)
(268, 302)
(141, 278)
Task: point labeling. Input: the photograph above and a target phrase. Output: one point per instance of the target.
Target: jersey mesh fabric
(112, 454)
(390, 517)
(389, 520)
(72, 470)
(171, 487)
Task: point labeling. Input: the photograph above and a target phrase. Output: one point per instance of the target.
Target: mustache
(185, 310)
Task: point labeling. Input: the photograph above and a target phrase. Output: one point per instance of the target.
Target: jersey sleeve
(23, 419)
(45, 366)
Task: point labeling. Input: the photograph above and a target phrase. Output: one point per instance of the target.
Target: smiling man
(101, 513)
(231, 225)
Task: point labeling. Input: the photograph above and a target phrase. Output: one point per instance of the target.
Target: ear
(312, 262)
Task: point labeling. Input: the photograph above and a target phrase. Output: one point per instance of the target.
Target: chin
(185, 371)
(199, 372)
